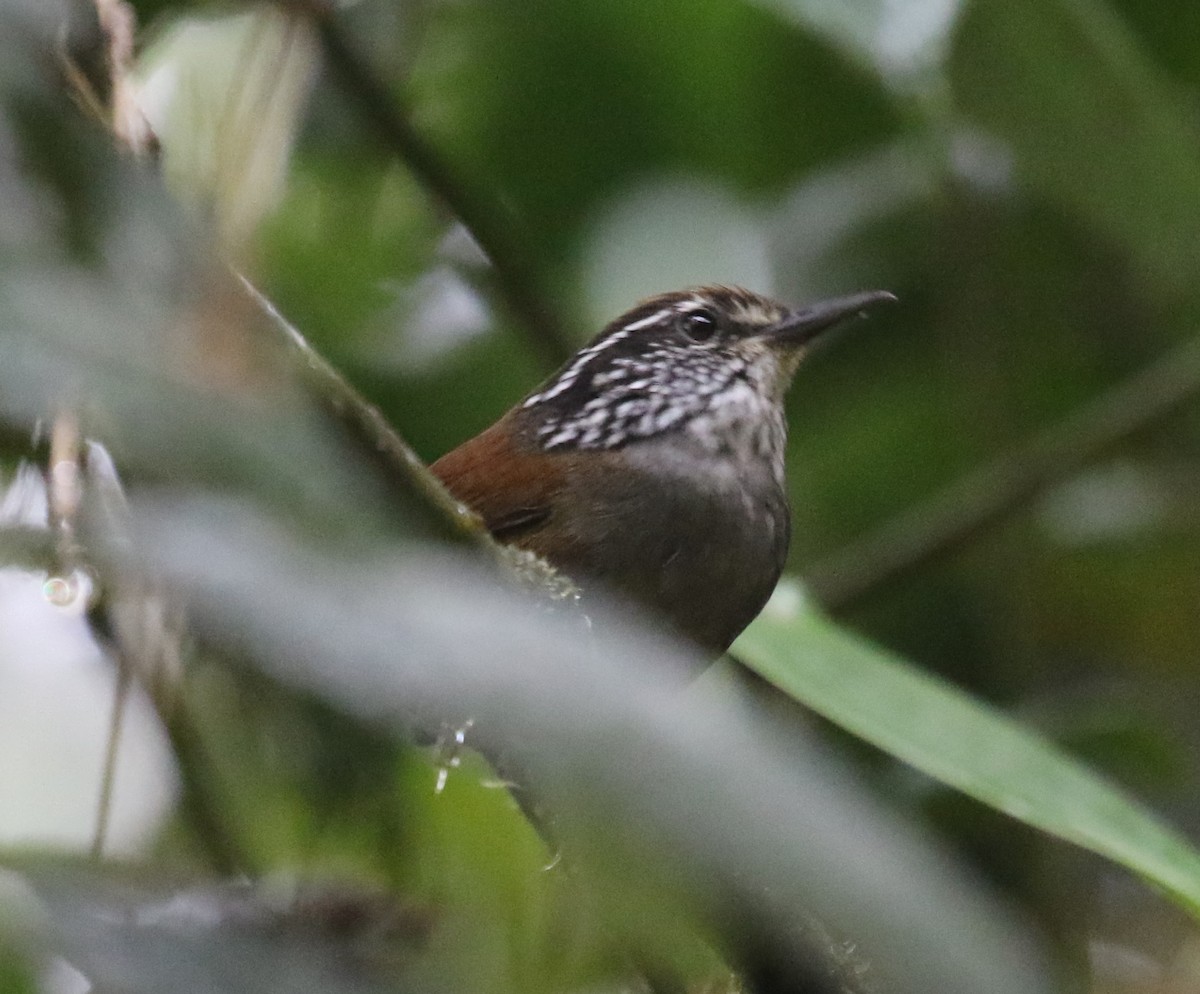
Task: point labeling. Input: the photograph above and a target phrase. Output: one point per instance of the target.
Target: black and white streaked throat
(712, 361)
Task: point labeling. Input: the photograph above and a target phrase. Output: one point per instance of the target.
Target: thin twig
(62, 486)
(334, 390)
(64, 494)
(980, 498)
(145, 637)
(146, 644)
(203, 808)
(144, 631)
(481, 216)
(112, 750)
(369, 422)
(118, 24)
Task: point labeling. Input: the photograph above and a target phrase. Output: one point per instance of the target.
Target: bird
(651, 464)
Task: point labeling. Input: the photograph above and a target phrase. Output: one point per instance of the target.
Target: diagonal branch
(981, 498)
(482, 216)
(369, 424)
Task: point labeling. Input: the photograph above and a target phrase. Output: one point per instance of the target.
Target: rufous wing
(512, 490)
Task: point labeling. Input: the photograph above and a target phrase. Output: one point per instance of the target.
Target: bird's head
(699, 358)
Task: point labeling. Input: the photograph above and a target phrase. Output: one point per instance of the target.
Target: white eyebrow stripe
(561, 386)
(573, 372)
(646, 322)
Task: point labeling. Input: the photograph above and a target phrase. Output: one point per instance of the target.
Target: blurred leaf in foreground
(111, 935)
(608, 738)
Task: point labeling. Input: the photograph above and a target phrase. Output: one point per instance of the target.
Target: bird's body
(652, 463)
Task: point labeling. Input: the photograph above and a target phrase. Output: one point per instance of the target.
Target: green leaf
(962, 742)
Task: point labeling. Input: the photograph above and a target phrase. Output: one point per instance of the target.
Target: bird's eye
(699, 326)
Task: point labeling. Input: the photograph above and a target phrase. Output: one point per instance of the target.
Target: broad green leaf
(962, 742)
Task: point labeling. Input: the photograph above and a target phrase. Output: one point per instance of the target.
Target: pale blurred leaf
(901, 39)
(606, 732)
(225, 97)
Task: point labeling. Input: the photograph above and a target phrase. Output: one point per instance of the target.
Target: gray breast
(696, 538)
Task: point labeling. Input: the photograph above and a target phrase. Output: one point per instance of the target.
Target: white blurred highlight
(670, 233)
(56, 704)
(225, 98)
(904, 41)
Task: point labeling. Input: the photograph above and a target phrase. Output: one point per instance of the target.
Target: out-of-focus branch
(112, 749)
(482, 216)
(118, 23)
(62, 483)
(144, 630)
(982, 497)
(64, 494)
(147, 642)
(203, 809)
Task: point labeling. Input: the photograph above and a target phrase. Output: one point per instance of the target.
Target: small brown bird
(651, 463)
